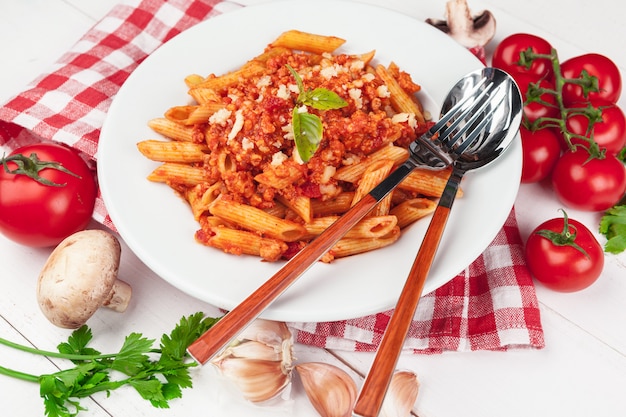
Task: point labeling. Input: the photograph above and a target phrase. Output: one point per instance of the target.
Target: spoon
(468, 95)
(479, 140)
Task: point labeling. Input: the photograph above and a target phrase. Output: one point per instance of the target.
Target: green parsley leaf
(133, 355)
(184, 334)
(158, 380)
(613, 226)
(151, 390)
(77, 343)
(307, 132)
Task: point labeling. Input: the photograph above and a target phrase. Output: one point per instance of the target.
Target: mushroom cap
(78, 276)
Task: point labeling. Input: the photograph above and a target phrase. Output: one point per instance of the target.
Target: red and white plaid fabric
(490, 306)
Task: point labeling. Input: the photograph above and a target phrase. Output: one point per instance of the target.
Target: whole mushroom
(79, 277)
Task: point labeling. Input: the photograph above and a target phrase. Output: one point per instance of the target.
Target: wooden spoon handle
(375, 386)
(233, 322)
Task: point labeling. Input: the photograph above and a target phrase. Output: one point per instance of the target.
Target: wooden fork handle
(375, 386)
(218, 336)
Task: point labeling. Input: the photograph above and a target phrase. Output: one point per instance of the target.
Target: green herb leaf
(133, 356)
(323, 99)
(151, 390)
(613, 226)
(158, 381)
(307, 132)
(77, 343)
(184, 334)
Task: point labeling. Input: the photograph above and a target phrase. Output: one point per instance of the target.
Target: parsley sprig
(157, 374)
(307, 128)
(613, 227)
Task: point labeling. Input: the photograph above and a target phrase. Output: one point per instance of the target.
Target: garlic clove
(253, 350)
(257, 379)
(269, 332)
(401, 395)
(330, 389)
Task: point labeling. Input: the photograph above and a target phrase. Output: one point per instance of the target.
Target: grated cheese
(247, 144)
(283, 92)
(278, 158)
(383, 92)
(237, 126)
(355, 94)
(220, 117)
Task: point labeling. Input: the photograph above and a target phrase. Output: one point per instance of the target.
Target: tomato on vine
(597, 77)
(564, 255)
(539, 99)
(587, 183)
(600, 120)
(540, 152)
(47, 192)
(507, 54)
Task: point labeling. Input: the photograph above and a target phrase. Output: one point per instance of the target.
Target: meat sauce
(256, 135)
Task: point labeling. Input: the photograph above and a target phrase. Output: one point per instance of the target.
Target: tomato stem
(567, 237)
(587, 82)
(32, 165)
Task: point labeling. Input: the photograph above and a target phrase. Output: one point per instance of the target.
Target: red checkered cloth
(490, 306)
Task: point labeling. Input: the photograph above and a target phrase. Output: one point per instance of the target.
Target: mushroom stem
(469, 30)
(119, 297)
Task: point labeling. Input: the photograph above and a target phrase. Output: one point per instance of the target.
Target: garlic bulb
(401, 395)
(329, 388)
(259, 360)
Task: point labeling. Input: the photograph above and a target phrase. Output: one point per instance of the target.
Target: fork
(425, 152)
(475, 142)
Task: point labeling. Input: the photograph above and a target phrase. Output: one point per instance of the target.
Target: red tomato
(609, 133)
(591, 185)
(609, 79)
(39, 215)
(563, 267)
(540, 152)
(506, 56)
(533, 110)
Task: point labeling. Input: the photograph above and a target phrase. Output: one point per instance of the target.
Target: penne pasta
(309, 42)
(172, 130)
(400, 99)
(178, 174)
(192, 115)
(239, 242)
(352, 173)
(256, 220)
(427, 182)
(410, 211)
(349, 246)
(183, 152)
(232, 154)
(337, 205)
(301, 205)
(369, 227)
(373, 175)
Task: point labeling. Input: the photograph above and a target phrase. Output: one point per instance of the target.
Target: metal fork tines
(429, 150)
(460, 127)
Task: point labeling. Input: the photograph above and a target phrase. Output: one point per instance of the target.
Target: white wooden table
(581, 371)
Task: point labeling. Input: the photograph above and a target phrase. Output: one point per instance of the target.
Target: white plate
(159, 227)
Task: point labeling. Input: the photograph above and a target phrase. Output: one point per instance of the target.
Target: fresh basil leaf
(323, 99)
(298, 82)
(307, 132)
